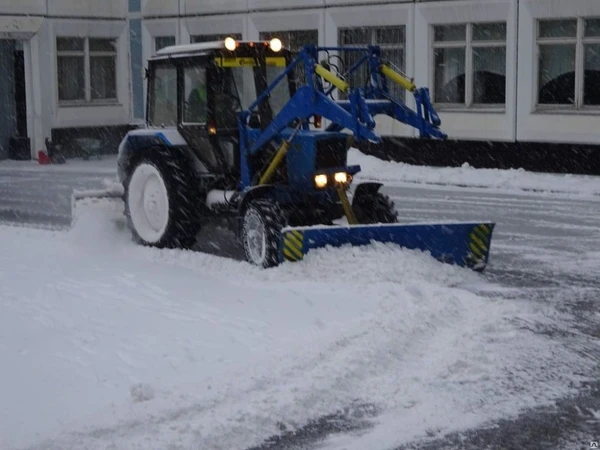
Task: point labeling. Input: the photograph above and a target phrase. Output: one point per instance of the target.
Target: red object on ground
(43, 157)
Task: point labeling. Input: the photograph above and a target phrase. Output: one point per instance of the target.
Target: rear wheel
(374, 207)
(161, 201)
(261, 230)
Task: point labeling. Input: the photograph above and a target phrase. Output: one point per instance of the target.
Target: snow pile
(98, 223)
(392, 172)
(113, 344)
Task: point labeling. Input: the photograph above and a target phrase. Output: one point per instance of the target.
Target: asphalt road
(548, 248)
(545, 246)
(42, 198)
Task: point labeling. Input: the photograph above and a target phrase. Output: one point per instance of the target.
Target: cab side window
(195, 109)
(163, 97)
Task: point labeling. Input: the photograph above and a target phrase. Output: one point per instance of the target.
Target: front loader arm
(424, 119)
(307, 103)
(355, 114)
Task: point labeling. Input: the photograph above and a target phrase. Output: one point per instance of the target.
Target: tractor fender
(137, 143)
(255, 192)
(368, 188)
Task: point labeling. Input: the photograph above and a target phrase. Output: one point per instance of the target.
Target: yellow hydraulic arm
(398, 78)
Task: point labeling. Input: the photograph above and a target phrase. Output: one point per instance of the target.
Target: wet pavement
(548, 249)
(40, 196)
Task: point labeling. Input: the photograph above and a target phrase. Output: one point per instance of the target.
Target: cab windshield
(241, 86)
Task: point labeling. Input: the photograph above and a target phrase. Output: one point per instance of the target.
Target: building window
(87, 69)
(161, 42)
(391, 40)
(293, 40)
(470, 64)
(569, 62)
(214, 37)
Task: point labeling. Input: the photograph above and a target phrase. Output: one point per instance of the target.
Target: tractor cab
(200, 89)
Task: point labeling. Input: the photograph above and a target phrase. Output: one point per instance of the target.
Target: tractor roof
(201, 47)
(185, 50)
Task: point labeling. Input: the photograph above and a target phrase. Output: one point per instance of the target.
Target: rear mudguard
(462, 244)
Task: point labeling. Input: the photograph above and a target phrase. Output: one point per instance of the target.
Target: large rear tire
(161, 200)
(261, 232)
(374, 207)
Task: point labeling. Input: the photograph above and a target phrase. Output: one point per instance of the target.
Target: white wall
(459, 122)
(278, 4)
(230, 23)
(90, 115)
(155, 8)
(23, 7)
(327, 16)
(304, 19)
(361, 2)
(88, 8)
(192, 7)
(582, 127)
(182, 18)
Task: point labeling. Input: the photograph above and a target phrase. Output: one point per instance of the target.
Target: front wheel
(374, 207)
(261, 232)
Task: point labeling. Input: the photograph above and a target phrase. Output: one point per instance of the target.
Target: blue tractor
(235, 134)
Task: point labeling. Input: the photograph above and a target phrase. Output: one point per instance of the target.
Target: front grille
(331, 153)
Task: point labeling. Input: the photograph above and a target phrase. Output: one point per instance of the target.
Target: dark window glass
(450, 75)
(557, 74)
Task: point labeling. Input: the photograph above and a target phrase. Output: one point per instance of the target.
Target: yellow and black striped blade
(293, 245)
(479, 242)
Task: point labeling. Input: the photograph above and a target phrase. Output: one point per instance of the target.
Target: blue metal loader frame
(464, 244)
(355, 114)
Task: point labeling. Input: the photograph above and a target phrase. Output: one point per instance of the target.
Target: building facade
(498, 70)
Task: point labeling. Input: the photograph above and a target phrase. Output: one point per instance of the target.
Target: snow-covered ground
(108, 345)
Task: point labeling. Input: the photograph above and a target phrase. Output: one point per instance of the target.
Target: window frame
(87, 55)
(372, 38)
(580, 42)
(155, 40)
(468, 44)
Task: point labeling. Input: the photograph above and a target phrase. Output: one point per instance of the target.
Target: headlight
(276, 45)
(230, 44)
(321, 181)
(341, 177)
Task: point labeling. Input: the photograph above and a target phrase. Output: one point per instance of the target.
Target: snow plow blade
(113, 190)
(463, 244)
